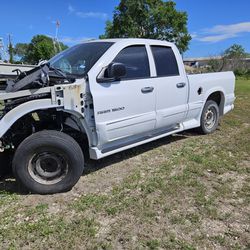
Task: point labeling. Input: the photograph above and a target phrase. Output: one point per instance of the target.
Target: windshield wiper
(61, 73)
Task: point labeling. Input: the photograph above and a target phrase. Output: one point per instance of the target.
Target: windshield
(79, 59)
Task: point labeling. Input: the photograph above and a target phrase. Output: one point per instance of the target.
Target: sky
(214, 24)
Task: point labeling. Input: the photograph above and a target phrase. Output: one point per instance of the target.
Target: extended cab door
(172, 87)
(125, 108)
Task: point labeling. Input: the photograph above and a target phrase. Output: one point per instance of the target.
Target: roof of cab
(133, 40)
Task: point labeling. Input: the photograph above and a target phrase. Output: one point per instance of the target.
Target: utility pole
(1, 48)
(10, 49)
(57, 46)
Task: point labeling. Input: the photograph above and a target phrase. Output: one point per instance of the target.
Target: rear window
(165, 61)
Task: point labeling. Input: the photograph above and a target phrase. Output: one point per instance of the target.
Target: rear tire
(48, 162)
(210, 117)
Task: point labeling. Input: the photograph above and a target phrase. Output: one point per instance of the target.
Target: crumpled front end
(28, 111)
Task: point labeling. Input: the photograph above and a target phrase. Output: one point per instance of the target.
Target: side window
(165, 61)
(135, 59)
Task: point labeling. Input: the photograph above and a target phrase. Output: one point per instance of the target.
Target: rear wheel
(48, 162)
(210, 117)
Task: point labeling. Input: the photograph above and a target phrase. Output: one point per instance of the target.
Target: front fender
(15, 114)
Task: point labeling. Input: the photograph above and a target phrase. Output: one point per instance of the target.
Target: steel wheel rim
(48, 168)
(210, 117)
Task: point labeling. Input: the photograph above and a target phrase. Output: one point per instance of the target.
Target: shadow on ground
(9, 184)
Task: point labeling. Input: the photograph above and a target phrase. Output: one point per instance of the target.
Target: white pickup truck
(104, 96)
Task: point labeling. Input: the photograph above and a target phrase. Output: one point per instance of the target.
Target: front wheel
(48, 162)
(5, 163)
(210, 117)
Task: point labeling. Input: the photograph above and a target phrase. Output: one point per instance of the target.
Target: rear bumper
(228, 108)
(229, 103)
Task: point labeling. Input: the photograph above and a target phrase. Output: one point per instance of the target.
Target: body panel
(11, 117)
(122, 110)
(171, 101)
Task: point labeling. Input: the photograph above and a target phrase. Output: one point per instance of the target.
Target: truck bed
(209, 83)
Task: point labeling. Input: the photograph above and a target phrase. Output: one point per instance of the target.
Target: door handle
(147, 90)
(180, 84)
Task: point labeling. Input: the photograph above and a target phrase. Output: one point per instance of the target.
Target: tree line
(41, 47)
(232, 59)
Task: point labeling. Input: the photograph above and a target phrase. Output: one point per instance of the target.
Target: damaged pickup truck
(99, 98)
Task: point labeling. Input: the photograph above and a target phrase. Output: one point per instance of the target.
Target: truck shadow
(8, 183)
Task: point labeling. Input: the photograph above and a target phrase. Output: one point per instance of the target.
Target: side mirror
(113, 72)
(116, 71)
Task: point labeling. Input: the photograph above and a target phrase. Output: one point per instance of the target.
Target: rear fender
(211, 91)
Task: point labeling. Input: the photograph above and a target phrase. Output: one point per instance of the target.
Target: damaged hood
(38, 77)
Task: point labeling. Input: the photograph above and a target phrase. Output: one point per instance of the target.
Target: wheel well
(49, 119)
(218, 97)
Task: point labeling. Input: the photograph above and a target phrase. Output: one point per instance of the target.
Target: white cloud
(70, 8)
(232, 28)
(90, 14)
(215, 38)
(100, 15)
(194, 35)
(222, 32)
(71, 40)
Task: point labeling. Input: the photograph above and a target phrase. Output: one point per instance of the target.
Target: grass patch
(189, 194)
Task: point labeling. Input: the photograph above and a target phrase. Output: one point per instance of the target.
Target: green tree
(155, 19)
(231, 59)
(41, 47)
(234, 59)
(21, 49)
(235, 51)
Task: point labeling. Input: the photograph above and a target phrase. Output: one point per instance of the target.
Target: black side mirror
(113, 72)
(116, 71)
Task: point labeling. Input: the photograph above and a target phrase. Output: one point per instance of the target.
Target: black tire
(5, 164)
(210, 117)
(48, 162)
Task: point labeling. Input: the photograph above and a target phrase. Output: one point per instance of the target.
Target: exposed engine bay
(43, 83)
(41, 76)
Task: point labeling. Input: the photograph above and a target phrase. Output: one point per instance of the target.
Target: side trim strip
(133, 141)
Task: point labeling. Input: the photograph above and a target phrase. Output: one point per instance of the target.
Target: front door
(126, 108)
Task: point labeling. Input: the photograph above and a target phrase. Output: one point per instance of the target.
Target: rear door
(125, 108)
(172, 88)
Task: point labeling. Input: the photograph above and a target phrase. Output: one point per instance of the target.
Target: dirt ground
(186, 191)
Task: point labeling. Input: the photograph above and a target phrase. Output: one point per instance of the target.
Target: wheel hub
(210, 118)
(48, 167)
